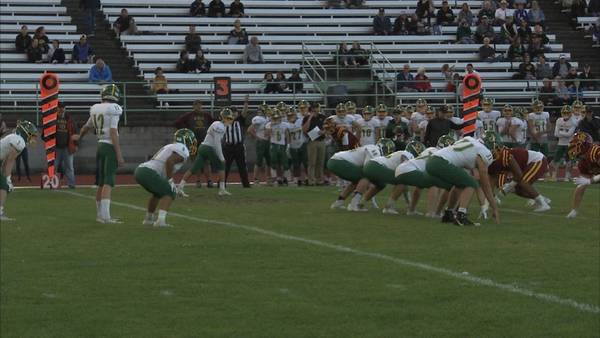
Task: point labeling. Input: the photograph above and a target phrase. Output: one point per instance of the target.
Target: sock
(463, 210)
(356, 198)
(162, 217)
(182, 183)
(273, 173)
(450, 210)
(390, 203)
(98, 209)
(2, 210)
(105, 209)
(340, 198)
(221, 187)
(149, 216)
(540, 199)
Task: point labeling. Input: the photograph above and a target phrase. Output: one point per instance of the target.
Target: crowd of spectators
(217, 9)
(352, 57)
(40, 49)
(280, 84)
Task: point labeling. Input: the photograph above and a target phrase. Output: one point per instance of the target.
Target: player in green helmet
(104, 120)
(366, 127)
(303, 108)
(538, 122)
(577, 111)
(257, 130)
(564, 129)
(298, 148)
(277, 131)
(156, 175)
(11, 146)
(445, 141)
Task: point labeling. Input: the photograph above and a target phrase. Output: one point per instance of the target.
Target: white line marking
(591, 308)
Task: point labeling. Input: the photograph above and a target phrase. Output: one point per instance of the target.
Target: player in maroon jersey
(343, 138)
(582, 148)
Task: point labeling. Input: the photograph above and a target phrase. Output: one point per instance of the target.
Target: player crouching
(11, 146)
(582, 148)
(156, 175)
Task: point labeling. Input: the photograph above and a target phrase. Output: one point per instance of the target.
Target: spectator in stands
(3, 127)
(192, 40)
(524, 32)
(516, 3)
(508, 31)
(89, 8)
(159, 83)
(589, 80)
(236, 9)
(344, 56)
(562, 94)
(466, 14)
(184, 64)
(238, 35)
(487, 10)
(253, 52)
(422, 83)
(354, 3)
(578, 8)
(333, 4)
(216, 8)
(547, 93)
(125, 24)
(197, 8)
(405, 81)
(42, 39)
(543, 70)
(572, 79)
(520, 14)
(295, 82)
(464, 34)
(595, 32)
(445, 15)
(425, 10)
(501, 13)
(100, 72)
(539, 31)
(82, 51)
(594, 7)
(281, 82)
(382, 25)
(561, 68)
(487, 53)
(360, 55)
(35, 53)
(536, 47)
(450, 77)
(526, 69)
(56, 54)
(65, 147)
(515, 51)
(400, 25)
(536, 15)
(413, 25)
(23, 40)
(200, 64)
(269, 84)
(484, 30)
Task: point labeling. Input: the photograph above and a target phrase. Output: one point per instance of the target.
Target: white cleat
(413, 213)
(108, 221)
(374, 203)
(498, 199)
(224, 193)
(4, 218)
(572, 214)
(392, 211)
(530, 203)
(547, 200)
(161, 225)
(148, 222)
(542, 208)
(338, 204)
(358, 207)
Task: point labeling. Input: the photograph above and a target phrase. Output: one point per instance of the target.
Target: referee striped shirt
(233, 133)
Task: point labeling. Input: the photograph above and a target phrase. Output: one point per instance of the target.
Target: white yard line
(590, 308)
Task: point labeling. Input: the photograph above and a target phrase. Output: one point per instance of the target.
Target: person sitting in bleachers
(500, 14)
(125, 24)
(546, 92)
(281, 82)
(542, 70)
(487, 53)
(344, 56)
(42, 40)
(524, 31)
(589, 80)
(422, 83)
(253, 52)
(562, 94)
(55, 53)
(382, 25)
(200, 64)
(562, 67)
(359, 54)
(466, 14)
(159, 83)
(425, 10)
(578, 8)
(487, 10)
(414, 25)
(400, 25)
(193, 40)
(23, 40)
(526, 69)
(35, 53)
(508, 31)
(571, 80)
(216, 8)
(464, 34)
(354, 3)
(536, 47)
(269, 84)
(197, 8)
(445, 15)
(295, 82)
(536, 15)
(238, 35)
(82, 51)
(485, 30)
(515, 51)
(539, 31)
(520, 14)
(593, 7)
(184, 64)
(100, 72)
(405, 81)
(236, 9)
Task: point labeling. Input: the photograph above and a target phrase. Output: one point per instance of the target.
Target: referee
(234, 149)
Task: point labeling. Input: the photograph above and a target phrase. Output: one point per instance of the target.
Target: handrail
(385, 72)
(315, 59)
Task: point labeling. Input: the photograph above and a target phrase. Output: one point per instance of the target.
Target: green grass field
(277, 262)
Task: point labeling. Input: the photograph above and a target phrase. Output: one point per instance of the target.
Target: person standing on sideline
(65, 147)
(234, 149)
(316, 146)
(89, 8)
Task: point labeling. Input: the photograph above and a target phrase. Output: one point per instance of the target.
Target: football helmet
(262, 109)
(329, 124)
(491, 140)
(188, 138)
(386, 145)
(566, 110)
(579, 144)
(381, 110)
(421, 102)
(445, 141)
(282, 107)
(399, 109)
(110, 93)
(415, 148)
(368, 113)
(303, 106)
(537, 105)
(487, 102)
(340, 110)
(520, 112)
(227, 114)
(350, 107)
(26, 130)
(276, 116)
(292, 115)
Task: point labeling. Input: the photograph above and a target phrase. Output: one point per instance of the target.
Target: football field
(277, 262)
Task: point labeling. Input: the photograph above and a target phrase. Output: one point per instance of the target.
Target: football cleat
(357, 207)
(224, 192)
(530, 202)
(148, 222)
(108, 221)
(374, 203)
(5, 218)
(158, 224)
(448, 216)
(572, 214)
(338, 204)
(461, 219)
(542, 208)
(413, 213)
(390, 210)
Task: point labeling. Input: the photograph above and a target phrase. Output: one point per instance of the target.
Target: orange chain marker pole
(49, 86)
(470, 94)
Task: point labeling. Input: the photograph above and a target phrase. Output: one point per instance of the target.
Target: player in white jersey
(383, 119)
(510, 128)
(578, 112)
(564, 129)
(156, 175)
(11, 146)
(348, 165)
(352, 111)
(278, 133)
(488, 115)
(539, 127)
(104, 120)
(449, 164)
(298, 148)
(422, 127)
(417, 117)
(257, 129)
(366, 128)
(211, 150)
(341, 118)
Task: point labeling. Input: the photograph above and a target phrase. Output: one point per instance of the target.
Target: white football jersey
(11, 141)
(259, 123)
(297, 138)
(415, 119)
(393, 160)
(278, 131)
(359, 156)
(214, 134)
(564, 130)
(383, 123)
(344, 122)
(489, 119)
(576, 119)
(534, 156)
(367, 130)
(464, 153)
(104, 117)
(521, 130)
(417, 163)
(540, 122)
(159, 160)
(480, 128)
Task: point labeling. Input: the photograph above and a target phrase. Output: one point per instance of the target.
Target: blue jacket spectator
(520, 14)
(382, 25)
(216, 8)
(405, 81)
(536, 15)
(197, 8)
(562, 67)
(100, 72)
(82, 52)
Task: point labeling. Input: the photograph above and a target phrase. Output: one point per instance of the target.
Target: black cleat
(209, 184)
(462, 220)
(448, 217)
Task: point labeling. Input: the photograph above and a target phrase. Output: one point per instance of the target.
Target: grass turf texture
(64, 275)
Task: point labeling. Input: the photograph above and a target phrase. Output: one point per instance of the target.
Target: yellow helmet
(350, 107)
(340, 109)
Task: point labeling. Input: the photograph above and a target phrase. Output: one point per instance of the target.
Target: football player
(448, 166)
(538, 122)
(488, 115)
(563, 130)
(211, 151)
(303, 108)
(340, 135)
(383, 119)
(417, 117)
(582, 148)
(578, 111)
(511, 128)
(11, 146)
(278, 133)
(366, 127)
(257, 129)
(104, 120)
(341, 118)
(351, 110)
(156, 175)
(298, 148)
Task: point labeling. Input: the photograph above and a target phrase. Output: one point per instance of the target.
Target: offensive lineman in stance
(156, 175)
(582, 148)
(11, 146)
(104, 119)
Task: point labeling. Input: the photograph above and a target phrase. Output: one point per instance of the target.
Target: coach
(234, 149)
